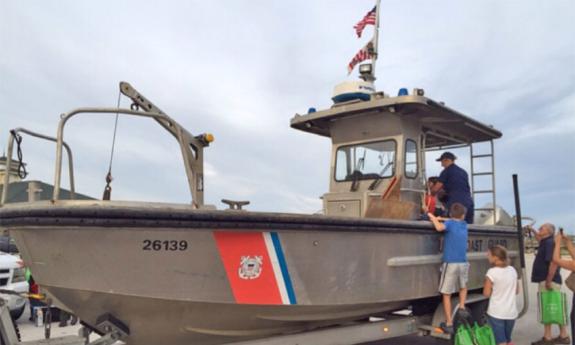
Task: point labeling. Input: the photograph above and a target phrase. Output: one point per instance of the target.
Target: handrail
(40, 136)
(191, 147)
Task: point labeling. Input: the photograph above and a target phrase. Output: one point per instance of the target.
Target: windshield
(365, 161)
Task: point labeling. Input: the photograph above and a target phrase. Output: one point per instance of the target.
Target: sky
(242, 69)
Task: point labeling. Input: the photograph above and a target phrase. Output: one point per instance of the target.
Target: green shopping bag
(464, 336)
(476, 335)
(483, 335)
(552, 307)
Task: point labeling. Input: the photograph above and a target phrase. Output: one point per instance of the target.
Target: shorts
(554, 286)
(454, 277)
(501, 329)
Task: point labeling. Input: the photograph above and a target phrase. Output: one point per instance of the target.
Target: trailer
(373, 329)
(392, 325)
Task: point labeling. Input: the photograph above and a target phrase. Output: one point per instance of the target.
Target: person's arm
(569, 245)
(549, 251)
(538, 235)
(438, 225)
(487, 287)
(426, 203)
(530, 230)
(548, 246)
(552, 270)
(567, 264)
(436, 188)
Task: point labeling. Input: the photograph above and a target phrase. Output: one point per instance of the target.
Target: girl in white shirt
(501, 286)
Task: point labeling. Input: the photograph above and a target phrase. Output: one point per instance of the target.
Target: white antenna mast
(375, 38)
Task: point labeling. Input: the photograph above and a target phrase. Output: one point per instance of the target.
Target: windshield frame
(405, 163)
(370, 176)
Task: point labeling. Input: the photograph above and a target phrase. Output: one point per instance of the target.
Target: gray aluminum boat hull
(94, 258)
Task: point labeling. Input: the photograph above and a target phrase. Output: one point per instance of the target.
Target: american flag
(367, 20)
(364, 53)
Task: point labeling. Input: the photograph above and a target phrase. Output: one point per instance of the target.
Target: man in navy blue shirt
(546, 274)
(455, 182)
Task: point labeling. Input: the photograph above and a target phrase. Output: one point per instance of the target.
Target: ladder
(490, 189)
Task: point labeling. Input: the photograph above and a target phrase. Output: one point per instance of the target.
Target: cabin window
(365, 161)
(410, 159)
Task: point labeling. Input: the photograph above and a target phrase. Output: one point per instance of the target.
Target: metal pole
(8, 164)
(7, 332)
(521, 245)
(58, 165)
(518, 216)
(472, 172)
(33, 190)
(423, 168)
(375, 38)
(68, 151)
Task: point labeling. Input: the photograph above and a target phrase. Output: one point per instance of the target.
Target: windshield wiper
(355, 175)
(378, 180)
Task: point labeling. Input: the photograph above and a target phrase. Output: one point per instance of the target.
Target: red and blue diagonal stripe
(273, 285)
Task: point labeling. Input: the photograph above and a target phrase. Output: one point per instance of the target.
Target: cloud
(242, 69)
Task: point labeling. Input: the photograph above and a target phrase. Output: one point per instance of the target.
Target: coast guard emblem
(250, 267)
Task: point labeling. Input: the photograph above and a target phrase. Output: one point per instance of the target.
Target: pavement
(527, 329)
(29, 331)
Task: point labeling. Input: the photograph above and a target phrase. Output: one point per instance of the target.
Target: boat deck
(141, 214)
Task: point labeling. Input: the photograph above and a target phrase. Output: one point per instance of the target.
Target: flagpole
(375, 38)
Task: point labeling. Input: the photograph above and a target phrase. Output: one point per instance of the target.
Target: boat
(181, 274)
(160, 273)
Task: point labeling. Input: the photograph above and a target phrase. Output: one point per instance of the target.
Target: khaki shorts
(454, 277)
(554, 286)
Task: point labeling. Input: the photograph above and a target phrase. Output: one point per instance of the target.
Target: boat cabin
(378, 151)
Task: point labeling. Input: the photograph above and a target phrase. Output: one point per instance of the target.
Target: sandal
(561, 340)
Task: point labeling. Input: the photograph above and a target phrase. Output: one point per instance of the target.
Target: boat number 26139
(164, 245)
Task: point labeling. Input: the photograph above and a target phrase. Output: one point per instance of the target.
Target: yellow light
(39, 297)
(385, 329)
(209, 137)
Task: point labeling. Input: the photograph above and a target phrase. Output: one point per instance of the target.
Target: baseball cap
(446, 155)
